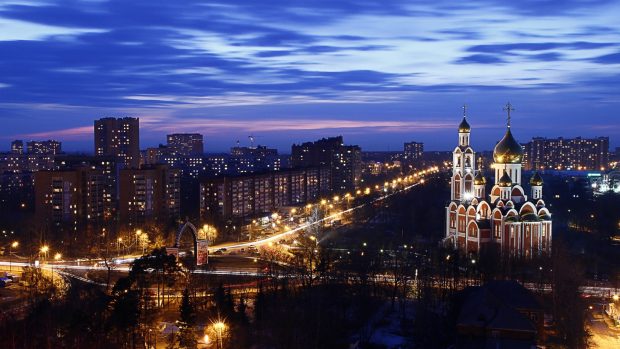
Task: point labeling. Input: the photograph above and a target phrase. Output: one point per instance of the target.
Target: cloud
(340, 56)
(612, 58)
(481, 59)
(73, 133)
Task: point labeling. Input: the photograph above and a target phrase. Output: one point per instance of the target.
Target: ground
(604, 334)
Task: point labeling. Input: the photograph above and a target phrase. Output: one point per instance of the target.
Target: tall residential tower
(119, 138)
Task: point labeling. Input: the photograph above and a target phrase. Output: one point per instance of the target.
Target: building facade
(72, 198)
(566, 154)
(412, 152)
(119, 138)
(151, 193)
(185, 144)
(344, 161)
(251, 195)
(49, 147)
(508, 219)
(17, 147)
(253, 159)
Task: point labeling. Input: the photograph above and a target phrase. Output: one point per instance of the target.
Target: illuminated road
(304, 226)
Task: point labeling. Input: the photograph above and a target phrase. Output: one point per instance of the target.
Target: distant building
(253, 159)
(17, 175)
(606, 182)
(151, 193)
(17, 147)
(49, 147)
(71, 197)
(347, 168)
(344, 162)
(566, 154)
(119, 138)
(413, 152)
(508, 220)
(217, 165)
(106, 166)
(154, 155)
(185, 144)
(250, 195)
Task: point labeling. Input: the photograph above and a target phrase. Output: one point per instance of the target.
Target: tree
(125, 316)
(187, 320)
(568, 306)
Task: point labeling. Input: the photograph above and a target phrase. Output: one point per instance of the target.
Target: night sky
(288, 71)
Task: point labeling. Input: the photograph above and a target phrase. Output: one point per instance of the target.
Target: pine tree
(187, 319)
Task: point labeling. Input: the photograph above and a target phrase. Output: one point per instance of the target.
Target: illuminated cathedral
(509, 220)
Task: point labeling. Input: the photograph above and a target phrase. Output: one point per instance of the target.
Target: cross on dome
(508, 108)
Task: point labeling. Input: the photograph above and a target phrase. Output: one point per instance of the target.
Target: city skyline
(380, 75)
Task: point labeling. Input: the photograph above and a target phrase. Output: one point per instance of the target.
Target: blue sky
(379, 73)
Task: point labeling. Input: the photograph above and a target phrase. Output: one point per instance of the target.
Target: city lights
(298, 175)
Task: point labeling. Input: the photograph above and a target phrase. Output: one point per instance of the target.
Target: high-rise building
(49, 147)
(17, 147)
(119, 138)
(253, 159)
(567, 154)
(71, 197)
(413, 152)
(508, 220)
(344, 162)
(347, 168)
(185, 144)
(250, 195)
(151, 193)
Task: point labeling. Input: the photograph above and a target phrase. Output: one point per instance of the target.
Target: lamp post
(219, 328)
(118, 245)
(138, 233)
(57, 257)
(44, 249)
(13, 245)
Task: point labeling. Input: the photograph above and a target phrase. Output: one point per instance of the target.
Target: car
(218, 252)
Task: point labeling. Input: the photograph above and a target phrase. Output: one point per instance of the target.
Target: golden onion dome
(536, 179)
(505, 180)
(508, 150)
(464, 126)
(479, 179)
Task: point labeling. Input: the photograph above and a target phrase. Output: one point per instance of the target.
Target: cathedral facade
(508, 219)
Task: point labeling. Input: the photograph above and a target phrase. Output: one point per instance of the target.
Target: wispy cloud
(74, 133)
(360, 59)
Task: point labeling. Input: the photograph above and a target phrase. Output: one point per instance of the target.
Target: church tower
(508, 156)
(506, 220)
(536, 182)
(463, 164)
(479, 181)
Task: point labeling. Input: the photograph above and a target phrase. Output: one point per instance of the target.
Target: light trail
(304, 226)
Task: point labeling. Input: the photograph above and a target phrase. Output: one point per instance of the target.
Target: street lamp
(219, 327)
(138, 233)
(13, 245)
(615, 297)
(44, 250)
(57, 257)
(118, 245)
